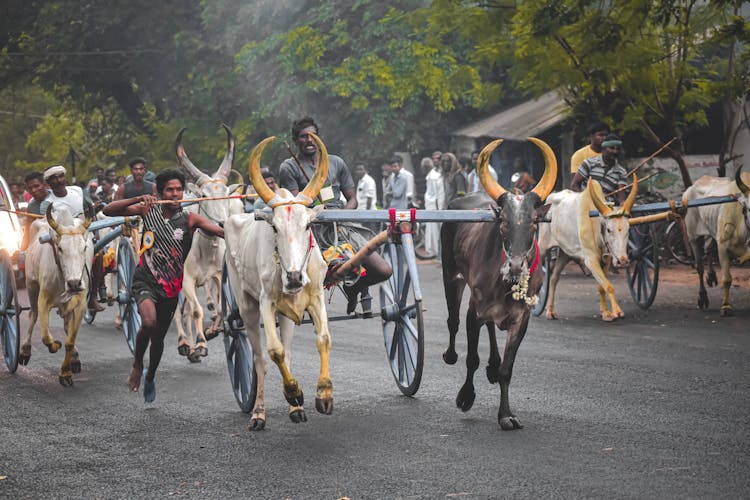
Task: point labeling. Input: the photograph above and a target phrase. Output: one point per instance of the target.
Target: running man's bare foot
(134, 379)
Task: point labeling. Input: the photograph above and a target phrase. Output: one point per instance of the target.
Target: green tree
(645, 64)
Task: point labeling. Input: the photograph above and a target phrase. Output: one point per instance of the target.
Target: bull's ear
(498, 213)
(232, 188)
(315, 211)
(263, 215)
(541, 212)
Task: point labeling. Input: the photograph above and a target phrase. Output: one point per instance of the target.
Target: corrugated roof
(519, 122)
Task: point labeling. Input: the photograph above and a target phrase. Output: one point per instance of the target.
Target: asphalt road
(654, 405)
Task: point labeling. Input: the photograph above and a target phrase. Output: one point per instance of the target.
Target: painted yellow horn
(490, 185)
(51, 221)
(597, 196)
(740, 183)
(320, 176)
(631, 197)
(547, 183)
(256, 179)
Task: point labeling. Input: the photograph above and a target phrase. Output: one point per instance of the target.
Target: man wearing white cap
(62, 195)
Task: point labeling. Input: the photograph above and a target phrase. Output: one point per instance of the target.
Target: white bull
(728, 224)
(206, 258)
(275, 267)
(588, 239)
(57, 276)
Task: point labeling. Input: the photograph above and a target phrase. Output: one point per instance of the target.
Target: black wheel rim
(239, 354)
(643, 270)
(9, 313)
(403, 323)
(131, 320)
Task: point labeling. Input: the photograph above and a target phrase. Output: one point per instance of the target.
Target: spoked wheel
(401, 312)
(10, 324)
(676, 244)
(131, 320)
(643, 270)
(547, 266)
(239, 355)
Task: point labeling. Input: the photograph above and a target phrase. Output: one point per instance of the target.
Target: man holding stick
(295, 173)
(166, 238)
(605, 169)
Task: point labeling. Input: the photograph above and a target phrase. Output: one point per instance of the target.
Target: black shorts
(145, 287)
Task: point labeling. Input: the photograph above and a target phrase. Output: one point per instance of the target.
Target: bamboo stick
(650, 157)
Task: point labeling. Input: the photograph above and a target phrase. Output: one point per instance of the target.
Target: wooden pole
(631, 184)
(207, 198)
(22, 214)
(650, 157)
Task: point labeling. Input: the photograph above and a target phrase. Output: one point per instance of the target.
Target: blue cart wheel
(643, 270)
(239, 354)
(10, 324)
(547, 266)
(403, 324)
(131, 320)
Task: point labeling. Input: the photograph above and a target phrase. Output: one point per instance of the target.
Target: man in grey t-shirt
(294, 175)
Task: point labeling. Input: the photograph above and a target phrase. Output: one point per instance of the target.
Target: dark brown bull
(500, 263)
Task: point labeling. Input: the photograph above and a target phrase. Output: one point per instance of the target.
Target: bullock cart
(642, 272)
(401, 311)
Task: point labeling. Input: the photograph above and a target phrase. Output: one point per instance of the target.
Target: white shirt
(73, 201)
(366, 190)
(434, 196)
(474, 184)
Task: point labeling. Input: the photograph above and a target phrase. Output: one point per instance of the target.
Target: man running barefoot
(166, 237)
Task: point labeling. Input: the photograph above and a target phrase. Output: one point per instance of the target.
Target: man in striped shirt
(605, 169)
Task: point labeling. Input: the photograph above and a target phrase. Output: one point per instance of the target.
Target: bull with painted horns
(500, 263)
(276, 270)
(204, 262)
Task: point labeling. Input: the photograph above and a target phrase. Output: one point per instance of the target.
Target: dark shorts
(146, 287)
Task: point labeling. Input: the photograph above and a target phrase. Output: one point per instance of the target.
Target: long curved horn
(490, 185)
(547, 183)
(631, 197)
(320, 176)
(226, 163)
(256, 179)
(597, 196)
(51, 220)
(740, 183)
(187, 166)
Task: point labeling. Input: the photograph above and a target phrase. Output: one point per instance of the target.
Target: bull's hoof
(465, 398)
(450, 357)
(54, 346)
(75, 365)
(703, 301)
(212, 333)
(726, 311)
(194, 357)
(256, 424)
(183, 349)
(324, 405)
(711, 279)
(66, 380)
(293, 394)
(297, 415)
(509, 423)
(493, 373)
(25, 355)
(608, 316)
(200, 350)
